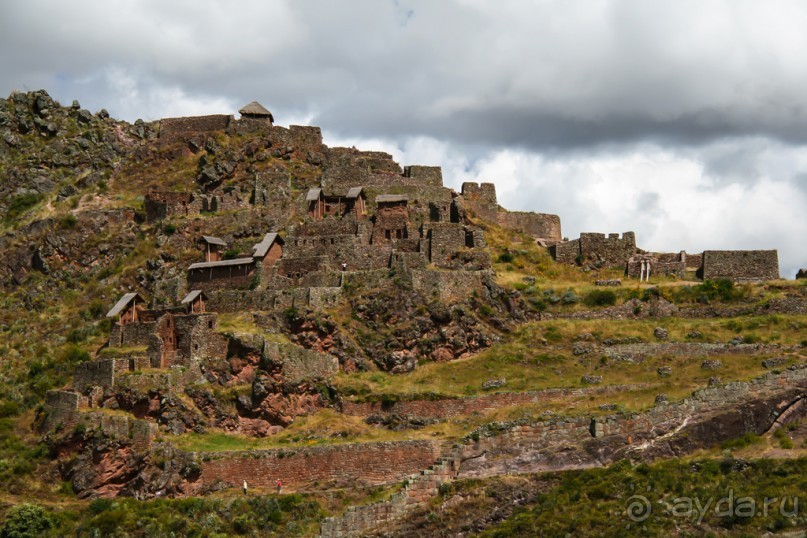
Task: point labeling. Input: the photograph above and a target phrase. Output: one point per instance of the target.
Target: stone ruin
(596, 251)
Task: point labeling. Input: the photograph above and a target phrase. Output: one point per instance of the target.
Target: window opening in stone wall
(210, 324)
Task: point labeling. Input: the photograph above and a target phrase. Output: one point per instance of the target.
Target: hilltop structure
(285, 228)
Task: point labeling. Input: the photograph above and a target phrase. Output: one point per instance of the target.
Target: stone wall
(351, 167)
(606, 251)
(61, 410)
(449, 285)
(347, 465)
(275, 299)
(660, 264)
(741, 264)
(172, 129)
(630, 434)
(612, 250)
(197, 338)
(566, 443)
(566, 252)
(480, 194)
(481, 199)
(298, 364)
(162, 204)
(131, 334)
(444, 240)
(426, 175)
(540, 225)
(447, 408)
(100, 373)
(377, 517)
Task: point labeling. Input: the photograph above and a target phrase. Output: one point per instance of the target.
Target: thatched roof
(192, 296)
(354, 192)
(262, 248)
(210, 240)
(123, 302)
(222, 263)
(255, 109)
(313, 195)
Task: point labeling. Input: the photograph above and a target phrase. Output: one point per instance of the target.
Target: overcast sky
(684, 121)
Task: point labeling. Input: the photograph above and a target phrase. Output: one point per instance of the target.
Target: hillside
(195, 303)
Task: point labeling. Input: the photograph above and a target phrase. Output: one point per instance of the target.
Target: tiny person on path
(245, 487)
(344, 266)
(279, 486)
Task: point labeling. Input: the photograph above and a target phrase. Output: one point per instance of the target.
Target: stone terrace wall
(741, 264)
(272, 300)
(172, 129)
(532, 446)
(448, 408)
(350, 465)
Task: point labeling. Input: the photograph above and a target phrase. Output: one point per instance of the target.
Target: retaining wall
(350, 465)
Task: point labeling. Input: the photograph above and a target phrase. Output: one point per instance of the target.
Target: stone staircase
(418, 491)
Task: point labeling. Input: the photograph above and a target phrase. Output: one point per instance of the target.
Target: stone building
(391, 218)
(213, 247)
(480, 198)
(596, 249)
(195, 302)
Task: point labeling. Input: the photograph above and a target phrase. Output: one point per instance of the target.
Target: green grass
(527, 364)
(663, 496)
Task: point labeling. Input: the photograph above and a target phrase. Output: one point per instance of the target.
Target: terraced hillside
(198, 303)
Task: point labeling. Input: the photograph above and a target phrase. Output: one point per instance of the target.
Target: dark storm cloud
(537, 74)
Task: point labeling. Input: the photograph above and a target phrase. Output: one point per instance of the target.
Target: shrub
(9, 409)
(26, 520)
(600, 298)
(230, 254)
(20, 204)
(69, 221)
(741, 442)
(506, 257)
(169, 229)
(570, 297)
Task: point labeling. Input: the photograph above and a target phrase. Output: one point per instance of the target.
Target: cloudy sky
(682, 120)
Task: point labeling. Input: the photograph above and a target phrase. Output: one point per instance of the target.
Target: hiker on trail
(344, 266)
(245, 487)
(279, 486)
